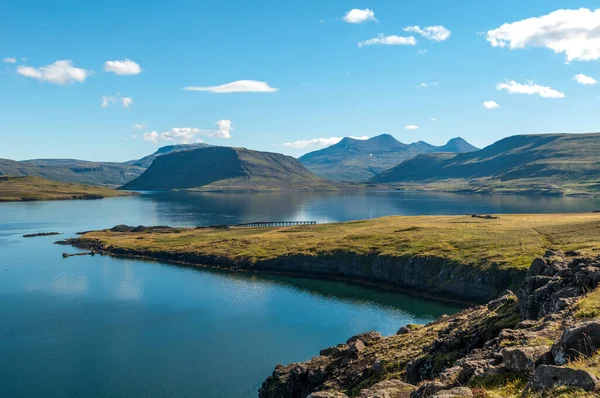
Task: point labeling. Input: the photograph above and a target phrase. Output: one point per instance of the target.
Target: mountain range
(542, 163)
(228, 169)
(549, 164)
(359, 160)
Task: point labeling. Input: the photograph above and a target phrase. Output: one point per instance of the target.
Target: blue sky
(326, 85)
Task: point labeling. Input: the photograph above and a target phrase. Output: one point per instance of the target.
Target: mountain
(227, 169)
(546, 163)
(455, 145)
(72, 171)
(358, 160)
(146, 161)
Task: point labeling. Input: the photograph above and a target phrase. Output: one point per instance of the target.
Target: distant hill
(227, 169)
(543, 163)
(72, 171)
(358, 160)
(146, 161)
(15, 189)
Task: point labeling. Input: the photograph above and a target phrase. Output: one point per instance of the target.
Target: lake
(100, 326)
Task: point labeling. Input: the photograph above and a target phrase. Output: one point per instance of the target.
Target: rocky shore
(541, 342)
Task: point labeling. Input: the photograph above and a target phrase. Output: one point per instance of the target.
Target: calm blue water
(98, 326)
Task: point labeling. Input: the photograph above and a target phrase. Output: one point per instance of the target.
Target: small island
(27, 189)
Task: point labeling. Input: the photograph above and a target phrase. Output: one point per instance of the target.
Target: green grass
(512, 241)
(589, 306)
(14, 189)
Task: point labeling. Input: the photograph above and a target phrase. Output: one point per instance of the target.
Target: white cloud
(223, 129)
(490, 105)
(139, 126)
(178, 135)
(60, 72)
(126, 101)
(356, 15)
(189, 135)
(530, 89)
(433, 119)
(10, 60)
(425, 85)
(585, 80)
(319, 142)
(125, 67)
(240, 86)
(576, 33)
(107, 100)
(389, 40)
(433, 33)
(421, 51)
(411, 127)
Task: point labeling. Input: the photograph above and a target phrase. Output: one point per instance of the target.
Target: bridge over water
(276, 223)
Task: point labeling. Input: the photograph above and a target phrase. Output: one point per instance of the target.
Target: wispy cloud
(425, 85)
(575, 33)
(530, 89)
(433, 33)
(359, 16)
(240, 86)
(490, 105)
(392, 40)
(124, 67)
(411, 127)
(139, 126)
(585, 80)
(10, 60)
(107, 100)
(189, 135)
(319, 142)
(60, 72)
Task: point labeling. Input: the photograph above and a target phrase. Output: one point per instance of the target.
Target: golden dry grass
(511, 241)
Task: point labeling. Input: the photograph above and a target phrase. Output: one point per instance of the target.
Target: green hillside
(16, 189)
(228, 169)
(544, 163)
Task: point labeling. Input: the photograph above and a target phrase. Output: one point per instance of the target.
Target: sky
(116, 80)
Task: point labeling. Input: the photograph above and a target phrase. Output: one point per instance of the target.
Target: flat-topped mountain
(228, 169)
(72, 171)
(559, 163)
(358, 160)
(146, 161)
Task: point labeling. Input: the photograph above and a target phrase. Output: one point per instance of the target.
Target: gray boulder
(454, 393)
(548, 376)
(366, 338)
(327, 394)
(388, 389)
(522, 359)
(582, 339)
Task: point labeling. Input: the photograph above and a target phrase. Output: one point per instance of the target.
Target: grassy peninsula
(17, 189)
(459, 256)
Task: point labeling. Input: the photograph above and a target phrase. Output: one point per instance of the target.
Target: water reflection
(185, 208)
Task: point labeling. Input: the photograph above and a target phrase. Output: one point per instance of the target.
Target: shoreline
(228, 266)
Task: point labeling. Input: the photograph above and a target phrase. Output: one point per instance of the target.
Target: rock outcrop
(535, 339)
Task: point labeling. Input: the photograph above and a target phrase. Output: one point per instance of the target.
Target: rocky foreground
(542, 343)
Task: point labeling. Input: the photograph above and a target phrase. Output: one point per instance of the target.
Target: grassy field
(14, 189)
(511, 241)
